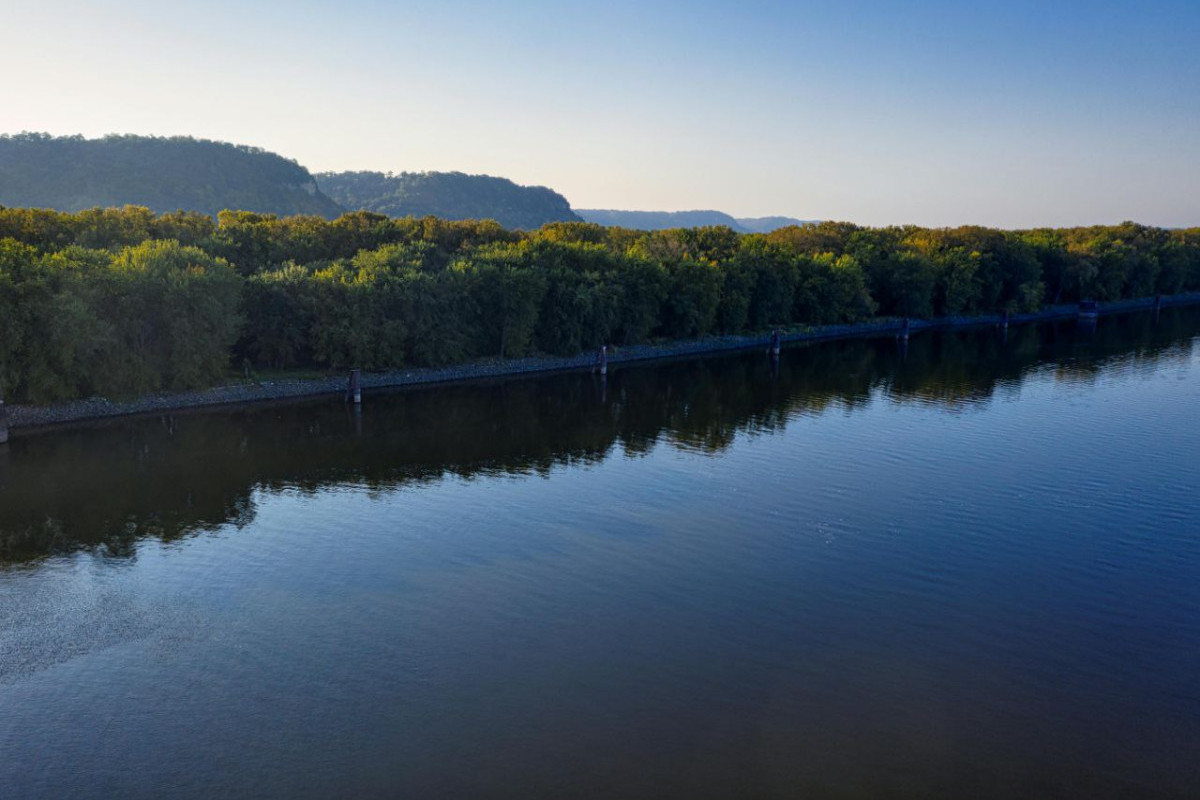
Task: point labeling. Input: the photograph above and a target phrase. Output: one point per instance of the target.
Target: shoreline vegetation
(30, 419)
(143, 312)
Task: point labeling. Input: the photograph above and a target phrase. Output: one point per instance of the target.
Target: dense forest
(666, 220)
(70, 173)
(448, 195)
(120, 302)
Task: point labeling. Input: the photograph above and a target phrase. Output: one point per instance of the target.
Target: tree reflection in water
(107, 486)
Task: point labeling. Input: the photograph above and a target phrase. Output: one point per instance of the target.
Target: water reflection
(108, 486)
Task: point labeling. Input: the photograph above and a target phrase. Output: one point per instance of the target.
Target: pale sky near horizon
(932, 112)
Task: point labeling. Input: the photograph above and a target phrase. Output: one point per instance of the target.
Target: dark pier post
(904, 329)
(1004, 320)
(601, 367)
(354, 387)
(3, 422)
(776, 343)
(1089, 313)
(1157, 307)
(5, 466)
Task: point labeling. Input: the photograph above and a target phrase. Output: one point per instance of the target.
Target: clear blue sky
(938, 113)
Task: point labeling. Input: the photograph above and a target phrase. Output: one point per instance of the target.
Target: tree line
(119, 302)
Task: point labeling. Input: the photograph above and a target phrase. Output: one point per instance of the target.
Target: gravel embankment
(28, 417)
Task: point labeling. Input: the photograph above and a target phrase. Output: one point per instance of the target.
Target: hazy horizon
(1015, 116)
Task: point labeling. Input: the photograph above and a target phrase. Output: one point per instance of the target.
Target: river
(968, 568)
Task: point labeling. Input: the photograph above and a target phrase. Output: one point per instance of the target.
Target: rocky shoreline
(27, 418)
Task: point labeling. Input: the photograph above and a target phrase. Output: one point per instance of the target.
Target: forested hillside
(122, 302)
(71, 173)
(448, 195)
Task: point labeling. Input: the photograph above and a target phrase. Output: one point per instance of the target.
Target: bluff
(449, 195)
(71, 173)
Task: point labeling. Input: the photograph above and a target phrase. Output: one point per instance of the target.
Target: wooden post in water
(904, 326)
(354, 387)
(3, 422)
(601, 360)
(1004, 320)
(776, 342)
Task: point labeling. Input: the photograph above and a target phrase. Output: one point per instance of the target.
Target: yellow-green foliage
(123, 301)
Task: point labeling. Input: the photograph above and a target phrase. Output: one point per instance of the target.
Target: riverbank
(28, 418)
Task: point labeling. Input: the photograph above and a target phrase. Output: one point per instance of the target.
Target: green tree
(506, 295)
(175, 310)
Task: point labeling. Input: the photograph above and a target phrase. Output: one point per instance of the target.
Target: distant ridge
(71, 173)
(768, 224)
(449, 195)
(663, 220)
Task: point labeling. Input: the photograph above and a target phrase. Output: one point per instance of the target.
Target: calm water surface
(968, 571)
